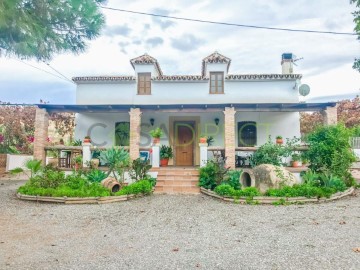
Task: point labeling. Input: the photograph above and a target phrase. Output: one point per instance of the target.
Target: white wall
(14, 161)
(216, 67)
(187, 92)
(146, 68)
(285, 124)
(101, 126)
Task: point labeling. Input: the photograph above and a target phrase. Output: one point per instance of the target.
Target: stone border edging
(78, 200)
(270, 200)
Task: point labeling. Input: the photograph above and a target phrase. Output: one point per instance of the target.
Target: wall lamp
(216, 121)
(152, 120)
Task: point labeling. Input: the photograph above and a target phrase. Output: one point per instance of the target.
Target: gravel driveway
(177, 232)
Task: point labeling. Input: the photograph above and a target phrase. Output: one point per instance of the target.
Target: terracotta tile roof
(242, 77)
(103, 78)
(215, 58)
(146, 59)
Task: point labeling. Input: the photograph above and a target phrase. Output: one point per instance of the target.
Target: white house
(238, 110)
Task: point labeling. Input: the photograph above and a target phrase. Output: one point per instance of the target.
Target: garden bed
(79, 200)
(278, 200)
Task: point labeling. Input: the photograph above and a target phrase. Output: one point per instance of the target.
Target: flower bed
(49, 184)
(79, 196)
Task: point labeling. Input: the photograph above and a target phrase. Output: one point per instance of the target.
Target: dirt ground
(177, 232)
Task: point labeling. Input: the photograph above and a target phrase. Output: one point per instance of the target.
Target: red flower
(30, 139)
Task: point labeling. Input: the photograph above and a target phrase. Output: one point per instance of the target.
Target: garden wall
(14, 161)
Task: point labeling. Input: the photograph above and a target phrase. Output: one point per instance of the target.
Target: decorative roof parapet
(231, 77)
(103, 78)
(180, 78)
(241, 77)
(215, 58)
(146, 59)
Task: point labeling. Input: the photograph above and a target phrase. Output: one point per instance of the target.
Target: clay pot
(296, 163)
(95, 162)
(111, 183)
(203, 140)
(164, 162)
(87, 140)
(279, 141)
(156, 141)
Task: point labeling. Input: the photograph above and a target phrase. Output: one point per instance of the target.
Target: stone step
(177, 189)
(176, 172)
(176, 183)
(177, 177)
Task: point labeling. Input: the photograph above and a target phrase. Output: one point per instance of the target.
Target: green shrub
(311, 178)
(233, 179)
(330, 181)
(330, 151)
(212, 174)
(302, 190)
(140, 187)
(229, 191)
(246, 192)
(268, 153)
(152, 180)
(139, 169)
(48, 179)
(224, 190)
(85, 190)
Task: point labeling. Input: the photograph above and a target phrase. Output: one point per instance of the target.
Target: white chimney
(287, 60)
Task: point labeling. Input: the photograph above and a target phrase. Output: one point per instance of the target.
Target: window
(122, 133)
(216, 82)
(247, 133)
(144, 83)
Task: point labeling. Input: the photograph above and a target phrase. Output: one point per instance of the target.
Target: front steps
(177, 180)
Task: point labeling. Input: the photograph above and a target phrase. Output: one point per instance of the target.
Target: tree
(348, 112)
(310, 121)
(17, 127)
(41, 28)
(356, 14)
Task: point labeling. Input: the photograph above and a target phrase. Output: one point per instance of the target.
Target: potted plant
(156, 134)
(165, 154)
(87, 139)
(279, 139)
(203, 138)
(78, 160)
(296, 160)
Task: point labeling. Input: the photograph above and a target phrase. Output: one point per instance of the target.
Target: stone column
(135, 121)
(229, 136)
(330, 115)
(41, 134)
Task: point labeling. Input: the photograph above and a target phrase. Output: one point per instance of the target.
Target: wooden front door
(184, 143)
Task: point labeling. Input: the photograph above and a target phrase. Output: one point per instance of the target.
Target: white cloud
(180, 46)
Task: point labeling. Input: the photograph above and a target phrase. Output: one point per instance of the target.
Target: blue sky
(180, 46)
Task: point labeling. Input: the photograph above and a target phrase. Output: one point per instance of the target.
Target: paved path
(177, 232)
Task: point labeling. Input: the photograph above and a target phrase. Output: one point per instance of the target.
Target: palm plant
(114, 157)
(33, 166)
